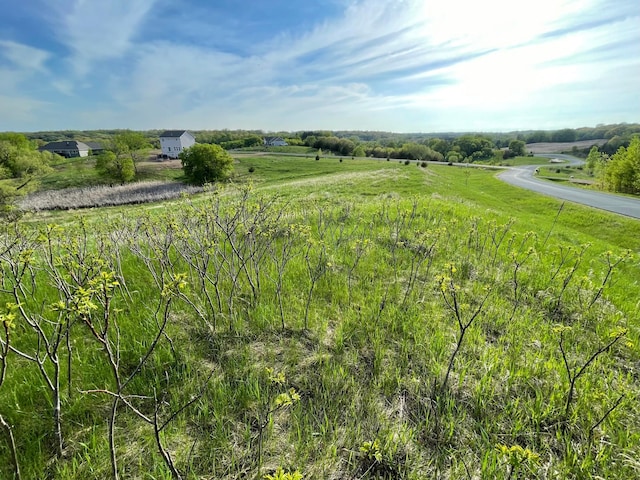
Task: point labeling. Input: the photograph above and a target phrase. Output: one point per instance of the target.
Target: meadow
(323, 319)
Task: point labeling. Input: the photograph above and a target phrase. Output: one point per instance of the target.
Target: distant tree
(614, 144)
(564, 135)
(129, 144)
(118, 168)
(517, 147)
(538, 136)
(439, 145)
(252, 141)
(474, 147)
(359, 151)
(595, 160)
(203, 163)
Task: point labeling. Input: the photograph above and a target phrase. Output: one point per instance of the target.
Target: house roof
(65, 145)
(173, 133)
(94, 145)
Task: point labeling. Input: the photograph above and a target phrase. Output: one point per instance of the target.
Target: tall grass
(403, 336)
(105, 195)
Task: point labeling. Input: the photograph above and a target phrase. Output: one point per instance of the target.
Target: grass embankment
(518, 161)
(362, 319)
(567, 174)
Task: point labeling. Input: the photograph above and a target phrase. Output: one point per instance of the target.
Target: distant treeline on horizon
(225, 135)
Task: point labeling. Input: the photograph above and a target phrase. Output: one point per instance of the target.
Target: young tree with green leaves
(517, 148)
(116, 167)
(203, 163)
(622, 172)
(20, 167)
(130, 144)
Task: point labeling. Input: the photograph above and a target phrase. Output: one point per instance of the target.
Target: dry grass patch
(106, 196)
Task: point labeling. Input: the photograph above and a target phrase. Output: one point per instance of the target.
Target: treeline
(385, 139)
(446, 146)
(608, 132)
(619, 172)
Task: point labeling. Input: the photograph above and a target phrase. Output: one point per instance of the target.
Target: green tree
(129, 144)
(622, 172)
(359, 151)
(595, 160)
(474, 146)
(116, 167)
(252, 141)
(564, 135)
(517, 147)
(203, 163)
(21, 165)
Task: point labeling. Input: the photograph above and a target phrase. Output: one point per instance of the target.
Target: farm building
(173, 142)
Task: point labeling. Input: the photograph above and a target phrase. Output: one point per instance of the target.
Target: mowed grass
(314, 319)
(518, 161)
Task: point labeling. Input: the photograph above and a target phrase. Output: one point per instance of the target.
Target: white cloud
(402, 65)
(95, 30)
(23, 56)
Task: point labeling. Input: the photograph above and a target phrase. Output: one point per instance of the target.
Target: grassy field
(566, 173)
(517, 161)
(323, 319)
(81, 172)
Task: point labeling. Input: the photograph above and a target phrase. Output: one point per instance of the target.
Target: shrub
(203, 163)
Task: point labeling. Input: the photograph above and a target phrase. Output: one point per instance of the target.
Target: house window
(169, 149)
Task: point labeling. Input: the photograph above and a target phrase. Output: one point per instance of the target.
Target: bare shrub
(106, 196)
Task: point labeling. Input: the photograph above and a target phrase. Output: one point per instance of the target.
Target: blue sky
(394, 65)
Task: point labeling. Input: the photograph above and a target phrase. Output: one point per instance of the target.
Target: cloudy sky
(395, 65)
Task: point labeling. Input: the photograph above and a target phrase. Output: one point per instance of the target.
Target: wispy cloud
(388, 64)
(23, 56)
(97, 30)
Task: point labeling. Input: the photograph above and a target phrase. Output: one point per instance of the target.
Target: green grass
(285, 149)
(518, 161)
(374, 258)
(566, 173)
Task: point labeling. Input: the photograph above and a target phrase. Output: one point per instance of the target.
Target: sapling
(422, 251)
(274, 400)
(7, 319)
(575, 372)
(450, 293)
(281, 252)
(519, 257)
(103, 327)
(612, 262)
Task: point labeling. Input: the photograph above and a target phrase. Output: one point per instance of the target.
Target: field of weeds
(105, 196)
(405, 323)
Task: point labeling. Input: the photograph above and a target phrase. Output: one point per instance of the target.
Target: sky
(285, 65)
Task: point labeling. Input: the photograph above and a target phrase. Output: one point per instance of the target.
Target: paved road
(524, 177)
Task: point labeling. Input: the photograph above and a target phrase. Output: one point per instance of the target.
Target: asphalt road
(524, 177)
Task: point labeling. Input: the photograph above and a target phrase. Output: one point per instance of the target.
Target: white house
(173, 142)
(274, 142)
